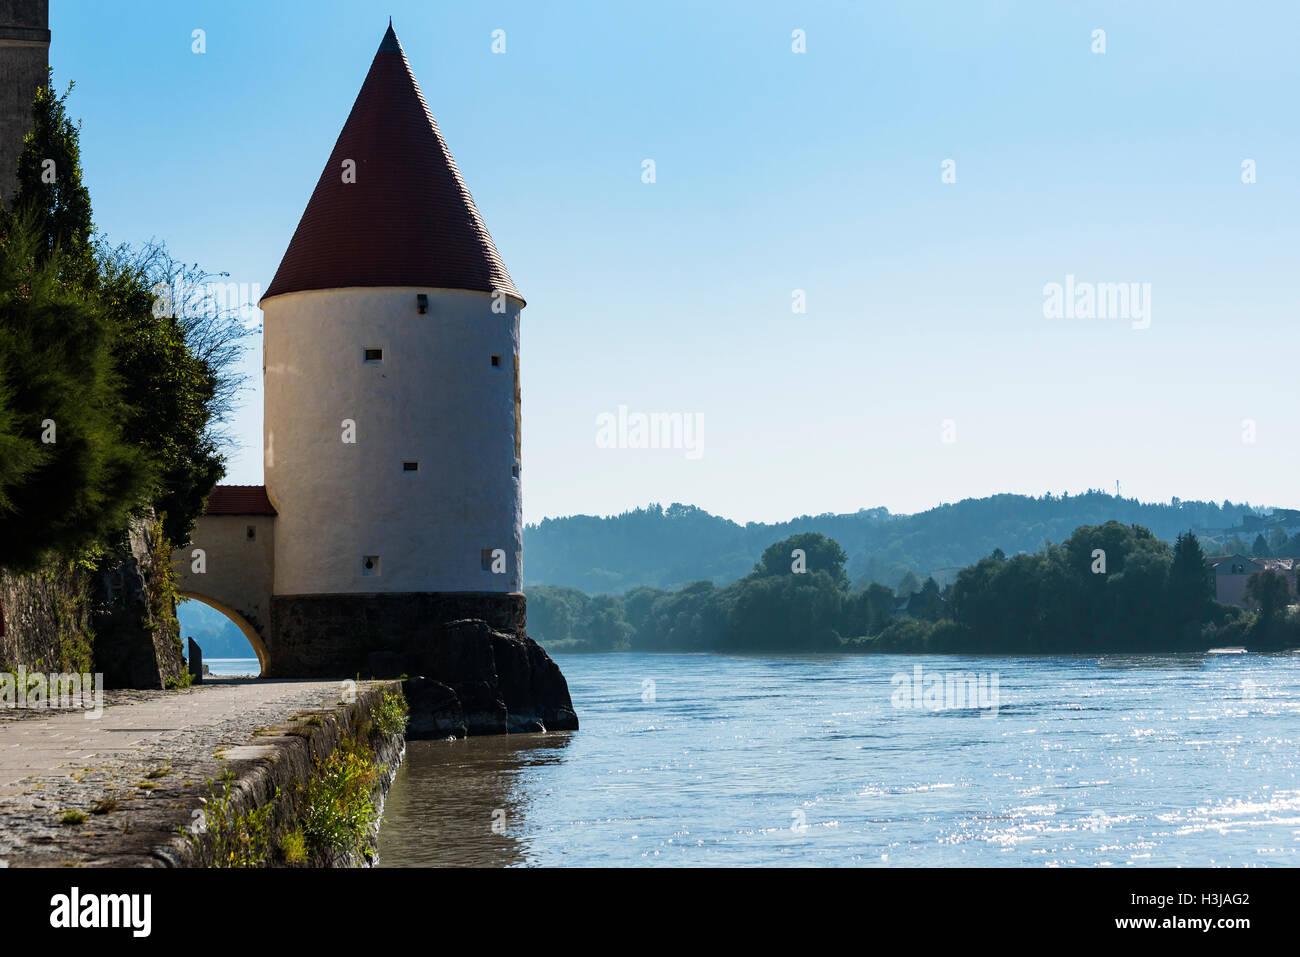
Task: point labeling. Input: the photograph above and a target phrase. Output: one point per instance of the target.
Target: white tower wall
(435, 398)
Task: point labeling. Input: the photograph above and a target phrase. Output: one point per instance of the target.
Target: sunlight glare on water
(805, 761)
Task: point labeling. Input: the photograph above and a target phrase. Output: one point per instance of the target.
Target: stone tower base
(382, 635)
(471, 667)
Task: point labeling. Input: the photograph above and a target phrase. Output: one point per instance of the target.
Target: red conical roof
(408, 219)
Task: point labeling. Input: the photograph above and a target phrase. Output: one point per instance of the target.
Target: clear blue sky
(775, 172)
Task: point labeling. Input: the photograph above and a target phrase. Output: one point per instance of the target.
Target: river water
(833, 761)
(233, 667)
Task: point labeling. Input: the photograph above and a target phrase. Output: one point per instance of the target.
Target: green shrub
(339, 808)
(391, 713)
(293, 848)
(236, 840)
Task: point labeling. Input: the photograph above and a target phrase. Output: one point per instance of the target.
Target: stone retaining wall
(274, 771)
(45, 619)
(67, 617)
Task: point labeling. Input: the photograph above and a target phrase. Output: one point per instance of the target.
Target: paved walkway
(143, 765)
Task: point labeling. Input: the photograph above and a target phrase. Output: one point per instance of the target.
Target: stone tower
(391, 372)
(388, 539)
(24, 60)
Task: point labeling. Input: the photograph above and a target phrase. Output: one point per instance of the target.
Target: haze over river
(820, 760)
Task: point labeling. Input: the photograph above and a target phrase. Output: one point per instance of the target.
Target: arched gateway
(230, 562)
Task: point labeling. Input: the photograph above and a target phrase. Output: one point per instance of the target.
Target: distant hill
(669, 547)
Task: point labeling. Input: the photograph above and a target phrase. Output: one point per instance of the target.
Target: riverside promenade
(114, 790)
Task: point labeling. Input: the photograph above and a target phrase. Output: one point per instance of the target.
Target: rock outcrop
(137, 643)
(478, 680)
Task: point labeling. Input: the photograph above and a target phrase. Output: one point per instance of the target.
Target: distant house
(1230, 572)
(1286, 517)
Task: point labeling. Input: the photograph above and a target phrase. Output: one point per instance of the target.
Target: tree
(693, 618)
(1190, 587)
(638, 608)
(869, 611)
(79, 477)
(554, 612)
(19, 456)
(821, 554)
(604, 625)
(50, 188)
(1260, 548)
(169, 392)
(211, 328)
(927, 604)
(1270, 592)
(174, 354)
(783, 612)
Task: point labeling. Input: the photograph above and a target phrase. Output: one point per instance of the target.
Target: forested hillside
(669, 547)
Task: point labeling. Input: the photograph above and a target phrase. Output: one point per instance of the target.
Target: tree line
(1106, 588)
